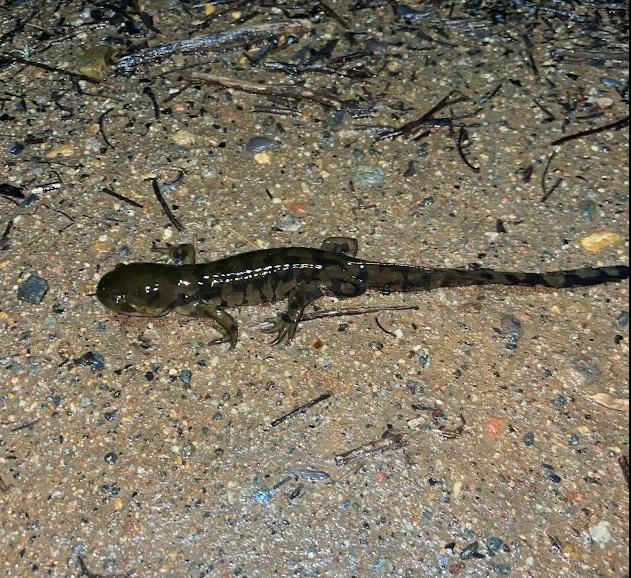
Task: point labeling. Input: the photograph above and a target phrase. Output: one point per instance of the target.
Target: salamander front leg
(227, 324)
(285, 323)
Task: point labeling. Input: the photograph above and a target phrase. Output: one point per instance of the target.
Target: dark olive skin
(298, 274)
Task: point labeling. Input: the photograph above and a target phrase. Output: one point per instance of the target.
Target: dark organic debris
(623, 461)
(388, 442)
(165, 206)
(616, 125)
(225, 40)
(301, 408)
(294, 92)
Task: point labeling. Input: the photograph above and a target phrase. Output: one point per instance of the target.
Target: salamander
(299, 275)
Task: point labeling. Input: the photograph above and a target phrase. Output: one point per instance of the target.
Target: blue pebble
(186, 376)
(263, 496)
(422, 151)
(442, 560)
(554, 478)
(91, 359)
(111, 458)
(33, 289)
(16, 148)
(502, 570)
(368, 176)
(574, 440)
(494, 544)
(258, 144)
(529, 439)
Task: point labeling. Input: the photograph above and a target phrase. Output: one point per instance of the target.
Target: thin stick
(282, 90)
(623, 462)
(13, 58)
(462, 134)
(224, 40)
(409, 127)
(301, 408)
(122, 198)
(548, 192)
(27, 425)
(102, 127)
(165, 206)
(616, 125)
(326, 8)
(393, 441)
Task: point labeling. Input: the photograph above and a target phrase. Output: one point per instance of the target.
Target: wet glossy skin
(300, 275)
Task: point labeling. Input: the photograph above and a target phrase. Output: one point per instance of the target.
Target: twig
(301, 408)
(344, 312)
(383, 328)
(548, 192)
(27, 425)
(123, 198)
(154, 101)
(218, 41)
(165, 206)
(326, 8)
(623, 462)
(462, 135)
(14, 58)
(102, 127)
(279, 90)
(409, 127)
(616, 125)
(390, 441)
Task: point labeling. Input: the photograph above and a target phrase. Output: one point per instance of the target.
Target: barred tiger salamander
(298, 274)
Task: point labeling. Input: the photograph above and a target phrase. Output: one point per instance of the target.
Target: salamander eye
(118, 299)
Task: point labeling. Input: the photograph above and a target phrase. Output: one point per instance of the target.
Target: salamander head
(137, 289)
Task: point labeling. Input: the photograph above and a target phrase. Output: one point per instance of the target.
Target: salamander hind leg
(285, 323)
(341, 245)
(227, 324)
(177, 254)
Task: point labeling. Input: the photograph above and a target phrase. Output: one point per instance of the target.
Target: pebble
(185, 376)
(623, 319)
(91, 359)
(33, 289)
(368, 176)
(587, 209)
(111, 458)
(494, 544)
(263, 158)
(262, 496)
(424, 358)
(598, 241)
(16, 148)
(288, 223)
(529, 439)
(470, 551)
(258, 144)
(580, 371)
(64, 150)
(600, 532)
(502, 570)
(183, 138)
